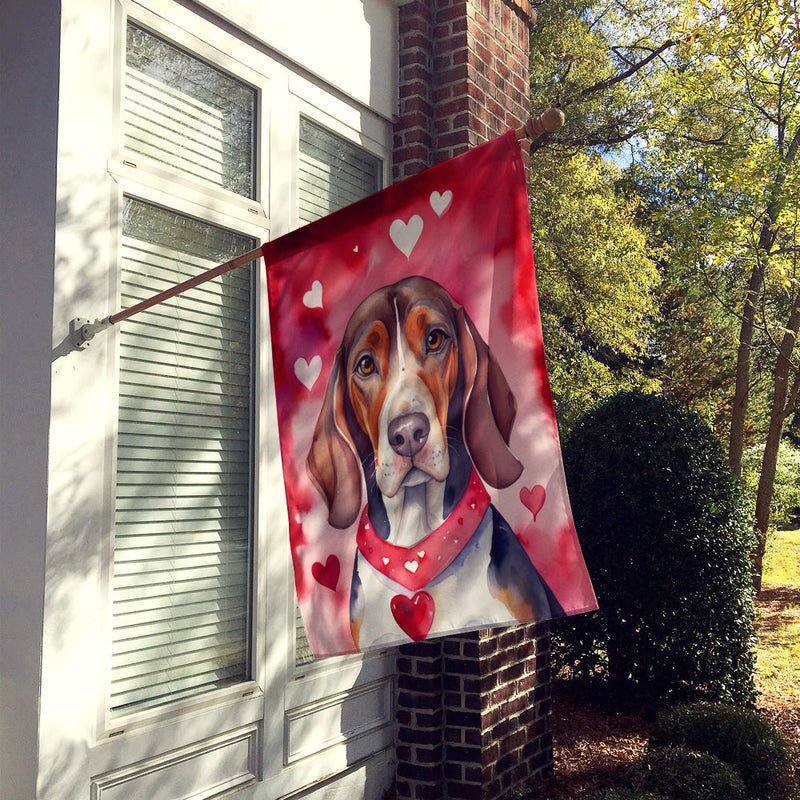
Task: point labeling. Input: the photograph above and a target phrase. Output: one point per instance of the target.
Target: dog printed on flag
(422, 469)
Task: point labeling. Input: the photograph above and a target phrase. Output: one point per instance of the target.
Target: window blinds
(332, 173)
(181, 592)
(188, 115)
(182, 543)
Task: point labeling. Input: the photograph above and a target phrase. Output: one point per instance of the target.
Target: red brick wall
(473, 714)
(473, 710)
(463, 77)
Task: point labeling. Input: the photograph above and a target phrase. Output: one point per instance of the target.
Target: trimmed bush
(683, 774)
(743, 739)
(666, 540)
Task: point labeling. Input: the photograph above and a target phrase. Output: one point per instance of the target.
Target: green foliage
(786, 490)
(719, 173)
(595, 280)
(590, 57)
(695, 340)
(741, 738)
(702, 102)
(596, 274)
(666, 540)
(683, 774)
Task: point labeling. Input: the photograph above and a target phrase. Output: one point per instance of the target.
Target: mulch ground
(593, 747)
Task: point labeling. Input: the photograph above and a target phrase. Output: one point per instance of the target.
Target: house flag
(423, 475)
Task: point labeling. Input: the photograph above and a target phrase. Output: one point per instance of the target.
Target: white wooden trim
(77, 740)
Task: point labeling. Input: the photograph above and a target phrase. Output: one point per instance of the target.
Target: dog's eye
(366, 366)
(435, 340)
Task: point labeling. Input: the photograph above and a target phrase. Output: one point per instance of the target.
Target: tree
(597, 281)
(786, 491)
(758, 44)
(597, 60)
(726, 150)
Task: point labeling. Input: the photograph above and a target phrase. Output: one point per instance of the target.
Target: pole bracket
(82, 330)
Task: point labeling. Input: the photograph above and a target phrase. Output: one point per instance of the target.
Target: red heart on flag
(533, 499)
(415, 615)
(326, 574)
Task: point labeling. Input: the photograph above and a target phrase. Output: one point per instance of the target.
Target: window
(332, 173)
(169, 628)
(183, 541)
(186, 114)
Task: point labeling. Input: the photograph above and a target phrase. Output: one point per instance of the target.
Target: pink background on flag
(465, 224)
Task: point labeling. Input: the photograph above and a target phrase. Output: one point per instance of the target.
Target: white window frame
(137, 177)
(315, 686)
(309, 101)
(329, 727)
(281, 700)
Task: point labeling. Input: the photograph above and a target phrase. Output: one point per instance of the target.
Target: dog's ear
(489, 408)
(333, 464)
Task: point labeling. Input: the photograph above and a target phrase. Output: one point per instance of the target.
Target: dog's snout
(408, 433)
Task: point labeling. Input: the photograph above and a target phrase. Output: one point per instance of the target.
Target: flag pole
(179, 288)
(82, 331)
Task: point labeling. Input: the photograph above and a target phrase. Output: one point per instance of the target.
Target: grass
(778, 624)
(782, 559)
(778, 648)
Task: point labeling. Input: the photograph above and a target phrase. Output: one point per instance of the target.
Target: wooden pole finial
(534, 127)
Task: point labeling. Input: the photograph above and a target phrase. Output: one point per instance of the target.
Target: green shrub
(683, 774)
(743, 739)
(786, 489)
(666, 540)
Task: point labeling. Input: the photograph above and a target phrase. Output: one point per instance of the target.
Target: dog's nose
(408, 433)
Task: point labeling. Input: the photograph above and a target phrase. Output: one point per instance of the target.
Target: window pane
(182, 541)
(182, 112)
(333, 173)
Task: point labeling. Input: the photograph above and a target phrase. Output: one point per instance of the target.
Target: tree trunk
(742, 388)
(784, 398)
(766, 240)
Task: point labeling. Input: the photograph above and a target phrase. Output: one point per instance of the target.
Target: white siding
(248, 736)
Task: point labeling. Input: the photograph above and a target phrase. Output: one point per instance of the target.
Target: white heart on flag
(440, 202)
(307, 372)
(406, 235)
(313, 297)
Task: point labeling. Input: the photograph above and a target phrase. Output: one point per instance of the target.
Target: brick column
(463, 77)
(473, 711)
(419, 748)
(497, 711)
(473, 714)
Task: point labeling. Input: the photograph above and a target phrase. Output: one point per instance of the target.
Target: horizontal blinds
(185, 113)
(182, 542)
(332, 173)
